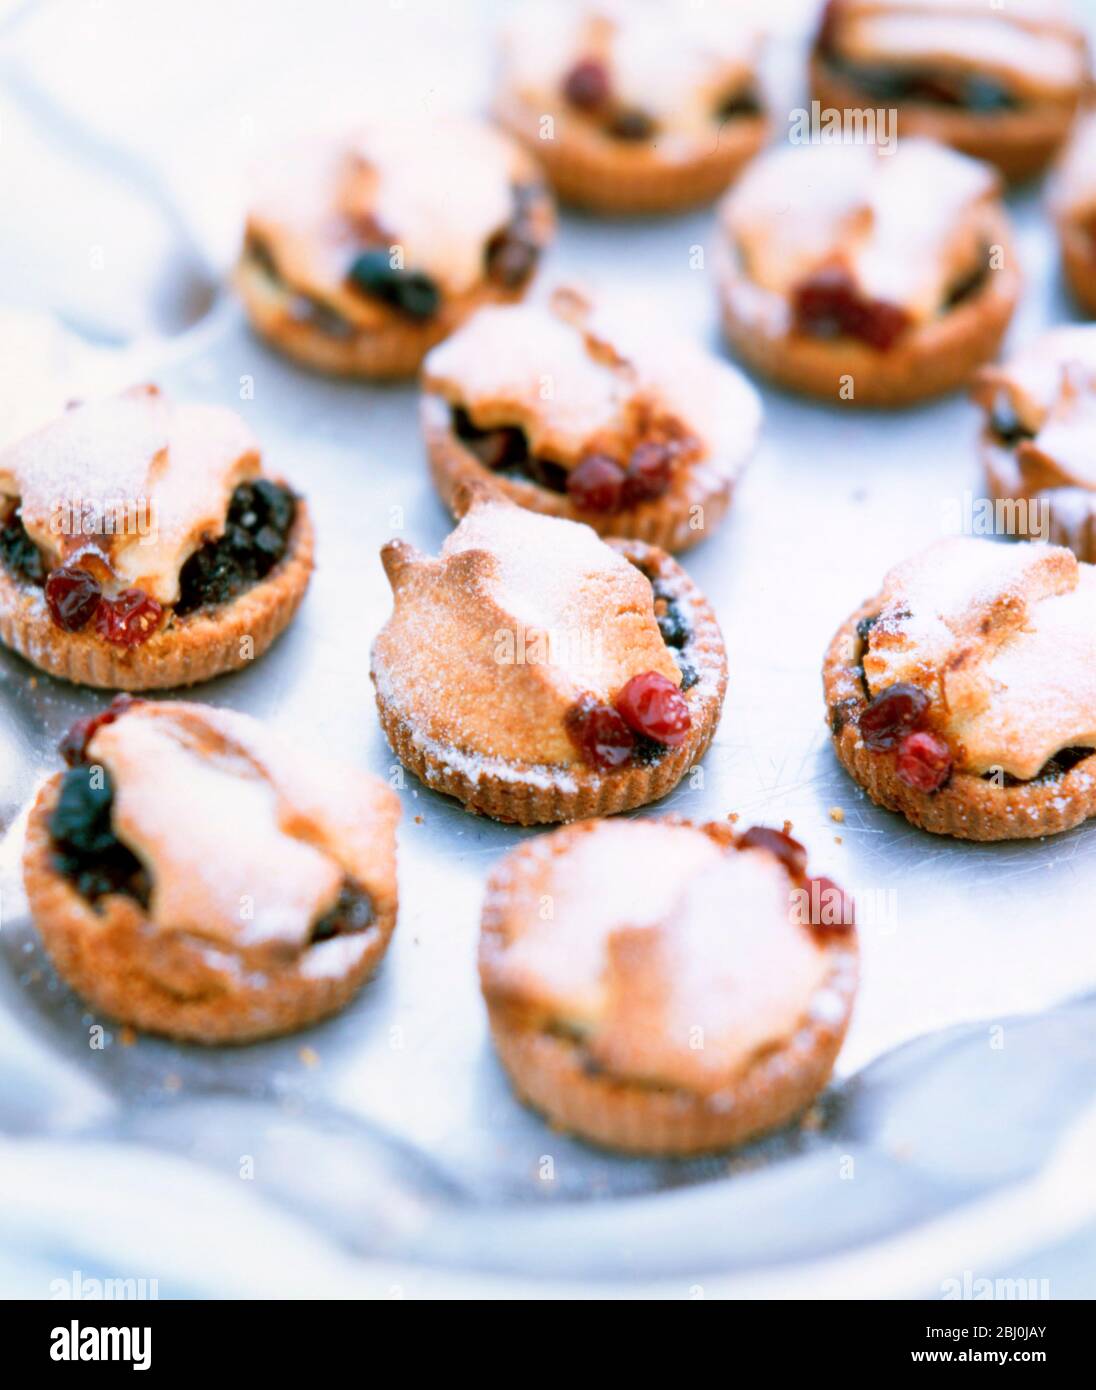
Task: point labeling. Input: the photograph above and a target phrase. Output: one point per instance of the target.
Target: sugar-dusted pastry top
(674, 62)
(247, 838)
(1031, 45)
(438, 192)
(161, 471)
(579, 378)
(674, 959)
(491, 643)
(1003, 638)
(801, 208)
(1050, 390)
(1074, 189)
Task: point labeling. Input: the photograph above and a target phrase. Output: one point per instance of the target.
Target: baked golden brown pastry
(964, 694)
(581, 412)
(840, 277)
(361, 254)
(141, 545)
(1073, 200)
(538, 673)
(196, 875)
(1039, 440)
(644, 106)
(997, 81)
(666, 988)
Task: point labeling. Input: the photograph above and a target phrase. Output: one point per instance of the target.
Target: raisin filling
(512, 253)
(830, 304)
(74, 596)
(18, 553)
(650, 715)
(85, 847)
(597, 483)
(974, 92)
(1005, 423)
(351, 914)
(256, 536)
(744, 102)
(900, 713)
(510, 257)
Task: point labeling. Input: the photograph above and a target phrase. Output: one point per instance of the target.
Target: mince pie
(142, 546)
(538, 673)
(1074, 204)
(641, 435)
(193, 874)
(1039, 440)
(644, 106)
(666, 988)
(843, 277)
(964, 694)
(1000, 81)
(360, 255)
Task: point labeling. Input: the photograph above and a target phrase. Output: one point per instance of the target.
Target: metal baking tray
(383, 1152)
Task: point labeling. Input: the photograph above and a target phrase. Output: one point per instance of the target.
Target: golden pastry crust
(1070, 512)
(109, 958)
(968, 807)
(1018, 143)
(391, 350)
(550, 1072)
(536, 794)
(928, 361)
(186, 650)
(590, 169)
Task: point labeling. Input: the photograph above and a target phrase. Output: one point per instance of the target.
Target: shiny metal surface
(390, 1130)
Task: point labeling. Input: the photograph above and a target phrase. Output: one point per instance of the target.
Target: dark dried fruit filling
(256, 536)
(650, 713)
(260, 517)
(897, 720)
(831, 909)
(510, 257)
(588, 87)
(830, 304)
(597, 484)
(1005, 423)
(886, 83)
(86, 849)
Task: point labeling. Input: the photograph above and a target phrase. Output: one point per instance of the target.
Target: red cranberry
(597, 484)
(587, 85)
(924, 761)
(653, 705)
(599, 733)
(648, 473)
(829, 305)
(893, 713)
(790, 852)
(129, 619)
(74, 746)
(832, 909)
(72, 596)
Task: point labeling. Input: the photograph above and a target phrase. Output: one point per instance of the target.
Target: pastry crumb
(837, 814)
(127, 1036)
(309, 1056)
